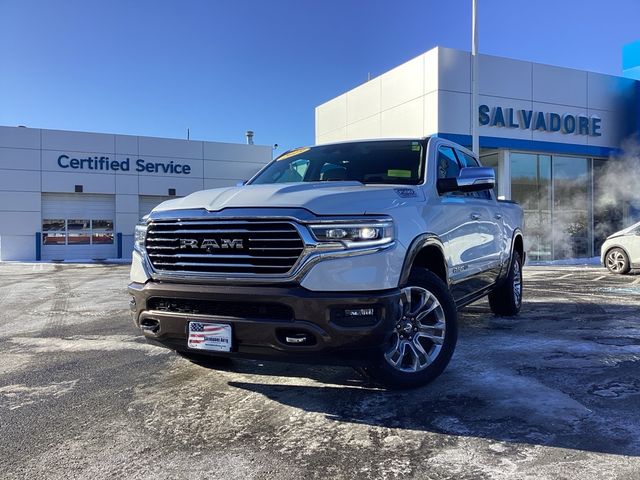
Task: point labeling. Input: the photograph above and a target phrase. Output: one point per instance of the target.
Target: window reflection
(556, 196)
(571, 208)
(49, 224)
(101, 225)
(52, 238)
(78, 224)
(78, 239)
(102, 238)
(77, 232)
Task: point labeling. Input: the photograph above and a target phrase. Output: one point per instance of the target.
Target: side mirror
(470, 179)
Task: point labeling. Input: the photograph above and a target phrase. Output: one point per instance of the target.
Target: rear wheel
(506, 299)
(617, 261)
(424, 335)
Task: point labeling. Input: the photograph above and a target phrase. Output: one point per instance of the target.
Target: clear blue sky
(221, 67)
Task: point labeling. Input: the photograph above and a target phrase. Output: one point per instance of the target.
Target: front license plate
(209, 336)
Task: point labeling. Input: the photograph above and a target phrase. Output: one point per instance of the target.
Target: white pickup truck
(356, 253)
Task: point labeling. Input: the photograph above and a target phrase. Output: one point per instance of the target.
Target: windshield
(391, 162)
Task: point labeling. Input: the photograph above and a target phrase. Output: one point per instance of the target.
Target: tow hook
(150, 326)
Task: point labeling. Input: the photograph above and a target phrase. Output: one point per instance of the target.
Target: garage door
(78, 226)
(148, 202)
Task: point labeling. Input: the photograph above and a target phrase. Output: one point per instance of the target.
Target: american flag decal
(209, 336)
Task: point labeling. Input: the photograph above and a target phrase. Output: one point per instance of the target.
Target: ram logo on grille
(210, 244)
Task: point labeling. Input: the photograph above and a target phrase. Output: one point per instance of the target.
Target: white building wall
(391, 105)
(29, 166)
(20, 183)
(432, 94)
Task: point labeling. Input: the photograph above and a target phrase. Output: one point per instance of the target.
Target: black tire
(506, 299)
(617, 261)
(435, 353)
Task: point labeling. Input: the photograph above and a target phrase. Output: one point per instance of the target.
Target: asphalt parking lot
(554, 393)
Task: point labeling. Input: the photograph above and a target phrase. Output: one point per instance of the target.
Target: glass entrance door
(556, 196)
(572, 223)
(531, 188)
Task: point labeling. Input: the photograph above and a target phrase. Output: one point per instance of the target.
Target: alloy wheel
(616, 261)
(419, 333)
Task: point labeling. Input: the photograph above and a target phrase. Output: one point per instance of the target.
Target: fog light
(359, 312)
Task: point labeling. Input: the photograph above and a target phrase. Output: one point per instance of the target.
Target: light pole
(475, 142)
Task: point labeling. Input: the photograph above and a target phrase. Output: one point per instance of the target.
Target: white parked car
(621, 251)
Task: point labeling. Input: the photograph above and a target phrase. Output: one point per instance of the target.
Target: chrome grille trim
(224, 231)
(259, 246)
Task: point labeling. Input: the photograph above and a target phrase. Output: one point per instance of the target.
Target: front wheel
(617, 261)
(424, 336)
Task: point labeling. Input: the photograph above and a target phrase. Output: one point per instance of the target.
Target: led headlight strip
(359, 234)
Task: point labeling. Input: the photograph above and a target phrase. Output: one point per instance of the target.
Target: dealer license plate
(209, 336)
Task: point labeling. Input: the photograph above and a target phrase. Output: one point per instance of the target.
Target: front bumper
(263, 318)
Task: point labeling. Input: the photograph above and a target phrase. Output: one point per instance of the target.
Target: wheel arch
(425, 251)
(517, 245)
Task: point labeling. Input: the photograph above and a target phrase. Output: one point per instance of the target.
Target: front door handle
(498, 216)
(475, 216)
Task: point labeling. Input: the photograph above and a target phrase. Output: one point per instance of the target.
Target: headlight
(140, 234)
(354, 234)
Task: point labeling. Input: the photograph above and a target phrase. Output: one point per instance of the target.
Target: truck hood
(321, 198)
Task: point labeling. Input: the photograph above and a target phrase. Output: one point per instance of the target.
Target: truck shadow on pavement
(560, 375)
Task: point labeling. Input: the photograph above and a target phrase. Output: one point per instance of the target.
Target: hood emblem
(210, 244)
(406, 192)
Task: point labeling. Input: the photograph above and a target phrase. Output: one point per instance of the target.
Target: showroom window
(77, 232)
(556, 193)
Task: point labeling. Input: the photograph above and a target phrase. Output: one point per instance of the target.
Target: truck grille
(224, 246)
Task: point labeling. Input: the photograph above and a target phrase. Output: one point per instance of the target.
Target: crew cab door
(473, 237)
(491, 254)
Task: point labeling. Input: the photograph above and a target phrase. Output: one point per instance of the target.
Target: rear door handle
(475, 216)
(498, 216)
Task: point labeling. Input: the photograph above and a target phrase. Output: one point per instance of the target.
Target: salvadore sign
(538, 120)
(106, 164)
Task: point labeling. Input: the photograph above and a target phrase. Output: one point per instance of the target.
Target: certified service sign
(106, 164)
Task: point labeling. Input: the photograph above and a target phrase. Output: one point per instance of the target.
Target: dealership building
(549, 132)
(74, 195)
